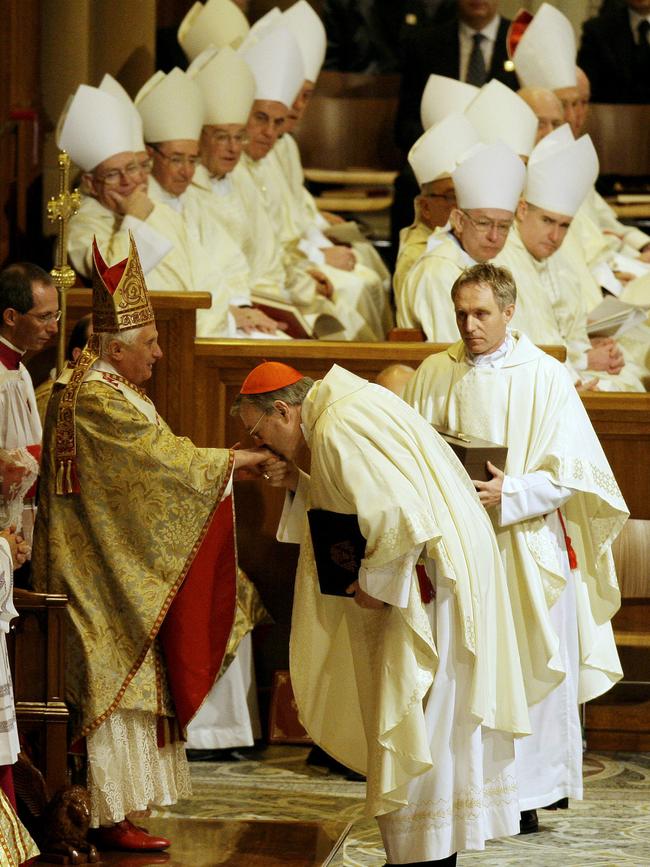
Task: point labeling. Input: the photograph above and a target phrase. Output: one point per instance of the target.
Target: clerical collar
(10, 355)
(495, 358)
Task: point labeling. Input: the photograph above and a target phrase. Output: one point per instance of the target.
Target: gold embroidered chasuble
(360, 676)
(530, 405)
(123, 546)
(16, 846)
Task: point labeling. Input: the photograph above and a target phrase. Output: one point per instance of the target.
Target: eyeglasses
(178, 160)
(45, 318)
(146, 165)
(113, 178)
(251, 432)
(484, 226)
(238, 139)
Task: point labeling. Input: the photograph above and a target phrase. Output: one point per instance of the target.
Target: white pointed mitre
(556, 140)
(498, 114)
(546, 53)
(201, 59)
(260, 28)
(171, 107)
(560, 180)
(270, 19)
(218, 22)
(439, 150)
(442, 96)
(276, 63)
(96, 127)
(110, 85)
(309, 30)
(227, 87)
(491, 176)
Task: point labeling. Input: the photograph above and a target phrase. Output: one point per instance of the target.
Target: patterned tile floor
(610, 828)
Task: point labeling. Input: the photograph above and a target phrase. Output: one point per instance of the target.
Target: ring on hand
(267, 476)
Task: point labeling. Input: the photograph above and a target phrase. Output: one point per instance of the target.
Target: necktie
(476, 73)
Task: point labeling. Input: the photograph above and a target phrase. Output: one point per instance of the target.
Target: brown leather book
(474, 453)
(339, 549)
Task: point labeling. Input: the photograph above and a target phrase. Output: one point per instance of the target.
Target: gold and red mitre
(120, 296)
(269, 376)
(120, 303)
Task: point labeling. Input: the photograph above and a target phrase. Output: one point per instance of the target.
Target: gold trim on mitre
(120, 303)
(120, 296)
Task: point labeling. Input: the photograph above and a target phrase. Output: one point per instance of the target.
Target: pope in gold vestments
(134, 528)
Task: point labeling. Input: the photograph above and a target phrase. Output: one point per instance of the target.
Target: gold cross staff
(60, 209)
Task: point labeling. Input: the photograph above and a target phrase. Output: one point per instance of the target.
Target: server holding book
(404, 659)
(556, 510)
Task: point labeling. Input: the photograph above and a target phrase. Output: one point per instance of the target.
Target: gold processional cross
(60, 209)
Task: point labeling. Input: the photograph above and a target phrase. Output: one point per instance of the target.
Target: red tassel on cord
(427, 593)
(573, 559)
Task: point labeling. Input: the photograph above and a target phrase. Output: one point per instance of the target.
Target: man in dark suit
(470, 47)
(372, 35)
(447, 49)
(615, 53)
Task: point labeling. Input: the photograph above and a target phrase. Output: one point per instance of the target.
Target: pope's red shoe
(125, 836)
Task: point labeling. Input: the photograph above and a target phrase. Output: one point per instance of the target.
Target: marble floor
(277, 810)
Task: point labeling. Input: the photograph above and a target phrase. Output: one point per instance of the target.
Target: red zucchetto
(269, 376)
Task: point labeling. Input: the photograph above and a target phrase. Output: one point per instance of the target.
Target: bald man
(547, 107)
(395, 377)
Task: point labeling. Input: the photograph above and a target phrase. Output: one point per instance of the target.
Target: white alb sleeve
(530, 495)
(292, 520)
(391, 583)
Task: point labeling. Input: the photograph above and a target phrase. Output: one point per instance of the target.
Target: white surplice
(20, 427)
(424, 698)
